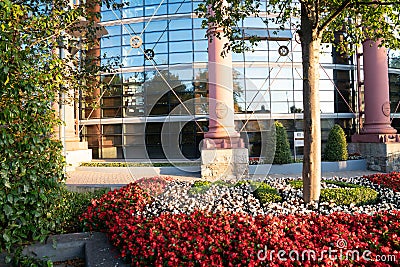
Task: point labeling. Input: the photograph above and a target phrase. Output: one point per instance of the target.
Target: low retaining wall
(292, 168)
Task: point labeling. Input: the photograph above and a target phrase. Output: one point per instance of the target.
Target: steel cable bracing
(267, 90)
(155, 12)
(337, 89)
(169, 21)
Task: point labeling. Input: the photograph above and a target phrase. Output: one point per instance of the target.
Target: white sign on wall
(298, 141)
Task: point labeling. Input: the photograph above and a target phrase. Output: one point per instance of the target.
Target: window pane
(150, 10)
(180, 8)
(132, 12)
(177, 24)
(180, 46)
(111, 41)
(157, 25)
(113, 30)
(111, 52)
(180, 35)
(154, 37)
(180, 58)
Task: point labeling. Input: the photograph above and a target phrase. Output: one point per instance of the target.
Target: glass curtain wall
(158, 98)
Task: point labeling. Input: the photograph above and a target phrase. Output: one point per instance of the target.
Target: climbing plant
(33, 73)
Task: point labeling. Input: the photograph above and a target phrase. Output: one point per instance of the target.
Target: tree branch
(333, 16)
(316, 13)
(377, 3)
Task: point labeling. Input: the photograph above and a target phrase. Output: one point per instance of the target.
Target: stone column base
(375, 138)
(224, 164)
(76, 153)
(382, 157)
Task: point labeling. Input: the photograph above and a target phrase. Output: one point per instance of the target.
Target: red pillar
(376, 126)
(220, 84)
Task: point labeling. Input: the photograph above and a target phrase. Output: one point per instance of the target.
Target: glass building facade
(156, 102)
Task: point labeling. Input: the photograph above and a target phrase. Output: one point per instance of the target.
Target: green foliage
(283, 154)
(341, 184)
(137, 164)
(229, 15)
(200, 187)
(265, 193)
(31, 162)
(262, 191)
(18, 259)
(296, 184)
(346, 196)
(326, 18)
(336, 146)
(68, 209)
(32, 76)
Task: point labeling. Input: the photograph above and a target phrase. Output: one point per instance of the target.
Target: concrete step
(94, 248)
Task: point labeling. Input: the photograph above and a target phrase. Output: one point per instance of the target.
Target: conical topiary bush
(283, 154)
(336, 146)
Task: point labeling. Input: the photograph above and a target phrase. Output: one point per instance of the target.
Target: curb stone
(93, 247)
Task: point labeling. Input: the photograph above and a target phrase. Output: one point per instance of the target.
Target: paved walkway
(122, 176)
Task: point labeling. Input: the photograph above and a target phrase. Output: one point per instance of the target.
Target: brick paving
(122, 176)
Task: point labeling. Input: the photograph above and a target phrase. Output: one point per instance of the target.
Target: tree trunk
(310, 44)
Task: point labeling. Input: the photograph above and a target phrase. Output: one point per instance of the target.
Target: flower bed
(224, 239)
(211, 238)
(390, 180)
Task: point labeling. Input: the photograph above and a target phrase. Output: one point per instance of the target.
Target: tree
(318, 21)
(34, 71)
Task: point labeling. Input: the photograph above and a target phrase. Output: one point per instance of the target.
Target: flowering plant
(153, 185)
(202, 238)
(228, 239)
(390, 180)
(124, 202)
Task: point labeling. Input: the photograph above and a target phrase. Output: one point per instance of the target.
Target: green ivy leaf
(7, 210)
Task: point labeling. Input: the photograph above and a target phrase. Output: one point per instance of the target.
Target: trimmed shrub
(336, 146)
(137, 164)
(346, 196)
(267, 194)
(200, 187)
(263, 191)
(283, 154)
(296, 184)
(342, 184)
